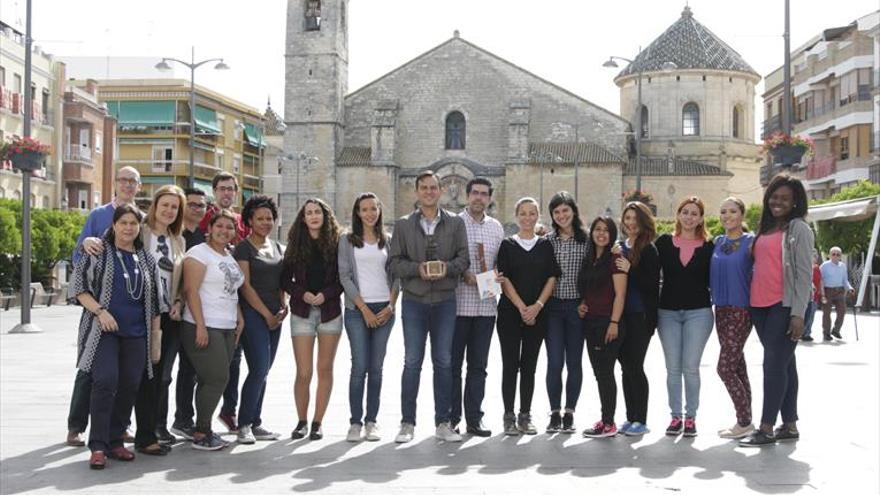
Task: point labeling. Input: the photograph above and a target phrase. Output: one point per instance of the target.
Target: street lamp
(541, 157)
(666, 66)
(192, 65)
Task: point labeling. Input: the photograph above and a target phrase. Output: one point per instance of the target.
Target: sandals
(97, 460)
(121, 454)
(155, 449)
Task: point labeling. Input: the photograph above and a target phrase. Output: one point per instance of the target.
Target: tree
(851, 237)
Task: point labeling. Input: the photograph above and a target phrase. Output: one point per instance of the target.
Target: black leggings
(520, 346)
(602, 357)
(633, 349)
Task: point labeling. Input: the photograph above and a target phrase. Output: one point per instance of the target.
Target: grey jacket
(797, 266)
(409, 249)
(348, 272)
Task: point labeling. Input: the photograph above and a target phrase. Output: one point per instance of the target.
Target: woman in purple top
(730, 275)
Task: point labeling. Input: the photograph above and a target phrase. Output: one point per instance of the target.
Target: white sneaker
(446, 433)
(246, 435)
(371, 432)
(405, 434)
(736, 431)
(354, 433)
(262, 434)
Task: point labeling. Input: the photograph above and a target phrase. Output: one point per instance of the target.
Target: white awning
(845, 211)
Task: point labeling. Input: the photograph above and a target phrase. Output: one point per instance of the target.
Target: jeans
(780, 366)
(683, 335)
(78, 418)
(473, 335)
(633, 349)
(602, 358)
(808, 318)
(368, 347)
(520, 347)
(419, 321)
(565, 346)
(230, 394)
(116, 375)
(259, 345)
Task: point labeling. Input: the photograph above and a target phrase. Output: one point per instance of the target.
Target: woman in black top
(640, 312)
(685, 315)
(530, 272)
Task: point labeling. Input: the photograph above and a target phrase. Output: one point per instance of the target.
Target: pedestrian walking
(835, 288)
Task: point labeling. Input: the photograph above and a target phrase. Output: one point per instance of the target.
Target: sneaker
(757, 438)
(354, 433)
(264, 435)
(186, 432)
(675, 427)
(228, 420)
(624, 428)
(524, 424)
(371, 432)
(568, 423)
(510, 424)
(446, 433)
(786, 434)
(836, 334)
(316, 432)
(405, 434)
(737, 431)
(245, 435)
(690, 427)
(209, 441)
(301, 430)
(555, 424)
(601, 430)
(807, 338)
(218, 438)
(637, 429)
(164, 436)
(826, 337)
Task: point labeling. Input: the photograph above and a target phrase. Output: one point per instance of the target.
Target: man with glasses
(835, 286)
(429, 253)
(475, 315)
(225, 187)
(196, 206)
(128, 183)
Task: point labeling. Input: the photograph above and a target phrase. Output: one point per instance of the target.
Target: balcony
(818, 168)
(77, 153)
(78, 171)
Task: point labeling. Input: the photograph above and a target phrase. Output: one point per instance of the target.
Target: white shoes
(446, 433)
(736, 431)
(246, 435)
(371, 432)
(354, 433)
(405, 434)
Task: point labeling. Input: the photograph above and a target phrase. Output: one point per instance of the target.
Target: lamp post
(666, 66)
(192, 65)
(541, 157)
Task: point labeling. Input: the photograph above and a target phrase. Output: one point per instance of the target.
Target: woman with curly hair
(310, 275)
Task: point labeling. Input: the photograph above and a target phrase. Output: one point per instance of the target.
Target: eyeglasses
(196, 206)
(837, 255)
(127, 181)
(226, 188)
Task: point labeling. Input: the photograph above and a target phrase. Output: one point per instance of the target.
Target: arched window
(643, 121)
(313, 15)
(455, 131)
(736, 126)
(690, 120)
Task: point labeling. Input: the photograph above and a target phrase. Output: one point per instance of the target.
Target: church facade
(462, 112)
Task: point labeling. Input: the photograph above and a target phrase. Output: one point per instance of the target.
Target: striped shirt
(570, 255)
(489, 233)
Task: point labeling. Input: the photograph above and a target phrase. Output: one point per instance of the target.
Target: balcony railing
(818, 168)
(78, 154)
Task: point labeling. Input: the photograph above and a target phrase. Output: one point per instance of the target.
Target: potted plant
(26, 154)
(787, 150)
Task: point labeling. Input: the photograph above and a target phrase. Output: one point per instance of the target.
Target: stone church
(462, 111)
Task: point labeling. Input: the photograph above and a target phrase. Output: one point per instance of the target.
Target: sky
(564, 41)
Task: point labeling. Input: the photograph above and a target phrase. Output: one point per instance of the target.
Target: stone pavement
(839, 391)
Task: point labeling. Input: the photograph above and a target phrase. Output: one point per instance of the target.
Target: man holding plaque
(475, 307)
(429, 253)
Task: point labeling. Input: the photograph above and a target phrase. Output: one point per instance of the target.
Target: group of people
(207, 285)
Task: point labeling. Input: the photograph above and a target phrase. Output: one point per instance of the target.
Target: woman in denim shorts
(310, 275)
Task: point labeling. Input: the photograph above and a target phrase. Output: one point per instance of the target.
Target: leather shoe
(127, 437)
(75, 439)
(97, 460)
(121, 454)
(479, 430)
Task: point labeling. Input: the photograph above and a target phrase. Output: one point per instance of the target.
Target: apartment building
(47, 83)
(89, 148)
(834, 101)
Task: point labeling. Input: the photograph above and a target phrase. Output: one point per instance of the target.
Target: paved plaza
(838, 452)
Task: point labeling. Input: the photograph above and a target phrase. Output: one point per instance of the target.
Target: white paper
(487, 285)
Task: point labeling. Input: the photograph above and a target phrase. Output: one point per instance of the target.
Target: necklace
(135, 290)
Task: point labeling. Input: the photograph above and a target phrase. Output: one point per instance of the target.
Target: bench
(7, 295)
(38, 292)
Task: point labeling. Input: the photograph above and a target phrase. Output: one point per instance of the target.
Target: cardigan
(348, 271)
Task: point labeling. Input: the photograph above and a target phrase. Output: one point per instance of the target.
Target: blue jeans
(473, 334)
(565, 346)
(420, 320)
(780, 366)
(367, 356)
(808, 318)
(683, 335)
(259, 344)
